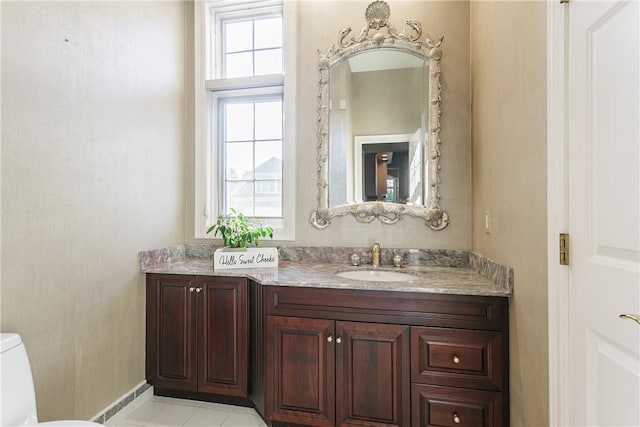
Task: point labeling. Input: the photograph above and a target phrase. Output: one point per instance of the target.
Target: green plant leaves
(238, 230)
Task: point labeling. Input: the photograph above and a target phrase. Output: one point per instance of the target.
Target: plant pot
(232, 258)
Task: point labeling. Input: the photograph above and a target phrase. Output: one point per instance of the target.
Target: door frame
(557, 213)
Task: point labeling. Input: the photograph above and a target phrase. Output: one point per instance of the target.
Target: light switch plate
(487, 222)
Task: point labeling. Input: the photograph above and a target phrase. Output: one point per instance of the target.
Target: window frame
(209, 87)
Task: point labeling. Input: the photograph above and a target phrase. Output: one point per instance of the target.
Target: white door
(604, 212)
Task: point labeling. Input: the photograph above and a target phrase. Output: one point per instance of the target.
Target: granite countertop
(456, 272)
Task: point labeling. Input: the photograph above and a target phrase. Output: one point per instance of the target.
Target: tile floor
(169, 412)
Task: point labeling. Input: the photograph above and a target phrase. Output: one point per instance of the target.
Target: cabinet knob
(339, 340)
(192, 288)
(455, 359)
(456, 419)
(198, 290)
(330, 338)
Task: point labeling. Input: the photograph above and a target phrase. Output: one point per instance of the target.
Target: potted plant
(238, 232)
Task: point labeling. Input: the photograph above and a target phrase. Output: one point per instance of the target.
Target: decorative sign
(227, 259)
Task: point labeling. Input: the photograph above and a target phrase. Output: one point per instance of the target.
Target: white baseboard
(125, 405)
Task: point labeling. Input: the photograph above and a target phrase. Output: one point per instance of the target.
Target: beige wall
(92, 172)
(388, 101)
(508, 50)
(319, 22)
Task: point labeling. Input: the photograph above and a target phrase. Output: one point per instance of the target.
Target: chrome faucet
(375, 255)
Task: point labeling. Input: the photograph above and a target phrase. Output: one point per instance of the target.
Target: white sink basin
(376, 275)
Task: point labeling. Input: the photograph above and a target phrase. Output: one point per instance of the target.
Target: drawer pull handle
(330, 338)
(455, 359)
(456, 419)
(191, 289)
(339, 340)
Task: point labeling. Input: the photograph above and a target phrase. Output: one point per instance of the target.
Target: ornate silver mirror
(379, 124)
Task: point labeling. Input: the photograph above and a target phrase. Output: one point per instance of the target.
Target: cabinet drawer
(456, 357)
(435, 406)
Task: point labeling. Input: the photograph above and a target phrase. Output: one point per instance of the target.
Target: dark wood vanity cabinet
(305, 356)
(372, 358)
(197, 334)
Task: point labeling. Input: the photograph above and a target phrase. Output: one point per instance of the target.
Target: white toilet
(18, 406)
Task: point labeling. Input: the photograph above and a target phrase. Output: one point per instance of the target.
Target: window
(252, 144)
(252, 46)
(244, 146)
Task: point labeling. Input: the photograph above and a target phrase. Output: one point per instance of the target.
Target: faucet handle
(397, 260)
(355, 260)
(376, 247)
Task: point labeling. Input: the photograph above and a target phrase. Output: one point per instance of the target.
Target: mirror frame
(377, 15)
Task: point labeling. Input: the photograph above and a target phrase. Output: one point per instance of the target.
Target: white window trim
(206, 159)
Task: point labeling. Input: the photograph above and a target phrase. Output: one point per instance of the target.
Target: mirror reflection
(377, 119)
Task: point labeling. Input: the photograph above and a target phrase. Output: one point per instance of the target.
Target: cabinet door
(300, 375)
(171, 332)
(435, 406)
(223, 336)
(372, 374)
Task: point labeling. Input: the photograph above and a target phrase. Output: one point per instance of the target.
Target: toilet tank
(18, 399)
